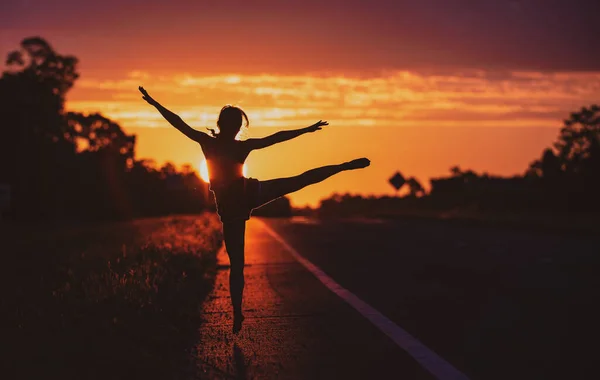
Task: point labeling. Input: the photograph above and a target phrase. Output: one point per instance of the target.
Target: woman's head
(230, 122)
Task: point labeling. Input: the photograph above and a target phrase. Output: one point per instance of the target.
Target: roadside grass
(133, 313)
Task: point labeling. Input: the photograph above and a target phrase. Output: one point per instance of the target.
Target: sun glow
(204, 171)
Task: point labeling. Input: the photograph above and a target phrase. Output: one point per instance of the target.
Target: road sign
(397, 181)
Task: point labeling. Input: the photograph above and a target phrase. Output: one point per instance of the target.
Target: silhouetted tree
(70, 165)
(95, 132)
(415, 187)
(569, 174)
(37, 60)
(33, 149)
(456, 171)
(548, 166)
(579, 140)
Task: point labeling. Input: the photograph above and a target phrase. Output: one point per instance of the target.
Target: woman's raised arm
(174, 119)
(283, 136)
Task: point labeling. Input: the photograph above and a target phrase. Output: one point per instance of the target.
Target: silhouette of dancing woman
(235, 195)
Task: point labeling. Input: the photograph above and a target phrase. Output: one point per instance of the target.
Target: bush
(133, 314)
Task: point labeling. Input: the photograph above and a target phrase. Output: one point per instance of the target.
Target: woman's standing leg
(233, 232)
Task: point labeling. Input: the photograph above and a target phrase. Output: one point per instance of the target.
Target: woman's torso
(225, 160)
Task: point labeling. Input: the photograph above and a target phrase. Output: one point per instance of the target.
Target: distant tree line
(565, 179)
(66, 165)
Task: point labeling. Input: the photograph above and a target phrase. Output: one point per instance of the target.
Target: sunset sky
(415, 86)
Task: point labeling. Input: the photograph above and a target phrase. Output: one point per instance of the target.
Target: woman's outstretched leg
(233, 232)
(275, 188)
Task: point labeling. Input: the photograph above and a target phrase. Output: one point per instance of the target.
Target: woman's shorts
(236, 200)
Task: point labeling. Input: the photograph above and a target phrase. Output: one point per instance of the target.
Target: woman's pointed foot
(237, 322)
(359, 163)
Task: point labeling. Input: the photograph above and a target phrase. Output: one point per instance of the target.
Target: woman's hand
(317, 126)
(147, 97)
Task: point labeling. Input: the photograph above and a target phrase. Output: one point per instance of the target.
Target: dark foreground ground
(497, 303)
(106, 301)
(494, 302)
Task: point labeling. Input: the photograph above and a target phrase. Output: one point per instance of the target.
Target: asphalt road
(295, 328)
(494, 303)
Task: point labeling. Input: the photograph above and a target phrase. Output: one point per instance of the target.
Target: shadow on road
(240, 364)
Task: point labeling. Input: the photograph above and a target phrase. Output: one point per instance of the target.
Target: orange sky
(418, 123)
(416, 87)
(421, 152)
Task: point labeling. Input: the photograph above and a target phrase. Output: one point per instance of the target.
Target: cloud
(397, 98)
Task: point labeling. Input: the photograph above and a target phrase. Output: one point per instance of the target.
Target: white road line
(433, 363)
